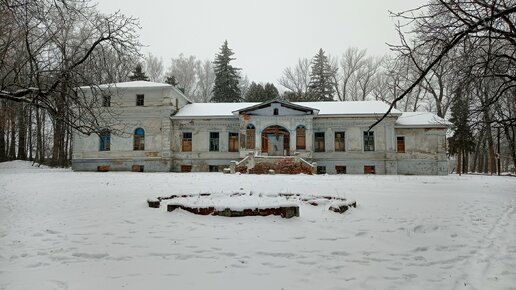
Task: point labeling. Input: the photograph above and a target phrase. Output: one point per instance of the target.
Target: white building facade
(164, 131)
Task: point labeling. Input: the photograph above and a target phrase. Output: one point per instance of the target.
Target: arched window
(250, 134)
(300, 137)
(139, 139)
(276, 111)
(105, 140)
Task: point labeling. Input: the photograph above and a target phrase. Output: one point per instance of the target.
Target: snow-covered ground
(75, 230)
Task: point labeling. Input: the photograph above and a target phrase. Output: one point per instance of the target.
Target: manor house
(157, 128)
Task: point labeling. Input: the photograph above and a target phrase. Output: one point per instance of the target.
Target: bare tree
(442, 26)
(350, 63)
(184, 70)
(205, 81)
(296, 79)
(154, 68)
(50, 47)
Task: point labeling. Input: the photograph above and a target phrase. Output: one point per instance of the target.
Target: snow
(325, 108)
(133, 84)
(421, 119)
(86, 230)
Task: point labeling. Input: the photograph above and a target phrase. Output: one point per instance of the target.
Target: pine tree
(138, 74)
(321, 86)
(271, 92)
(255, 93)
(462, 141)
(226, 87)
(171, 80)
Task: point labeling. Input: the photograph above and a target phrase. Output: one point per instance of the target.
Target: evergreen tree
(138, 74)
(321, 86)
(255, 93)
(226, 87)
(271, 92)
(462, 142)
(171, 80)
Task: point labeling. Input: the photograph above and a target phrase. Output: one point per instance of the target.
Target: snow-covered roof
(421, 119)
(324, 108)
(133, 84)
(350, 108)
(138, 85)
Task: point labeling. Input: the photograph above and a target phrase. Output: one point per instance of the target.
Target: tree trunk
(22, 132)
(512, 142)
(12, 145)
(3, 121)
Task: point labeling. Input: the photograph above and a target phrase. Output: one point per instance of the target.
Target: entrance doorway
(276, 141)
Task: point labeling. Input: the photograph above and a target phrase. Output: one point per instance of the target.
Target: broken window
(137, 168)
(369, 169)
(233, 142)
(400, 144)
(319, 142)
(186, 168)
(340, 141)
(321, 169)
(300, 137)
(340, 169)
(250, 134)
(105, 140)
(139, 139)
(187, 142)
(214, 141)
(139, 100)
(368, 141)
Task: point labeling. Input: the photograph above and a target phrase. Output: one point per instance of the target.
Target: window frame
(250, 133)
(300, 137)
(341, 169)
(105, 140)
(368, 141)
(233, 142)
(212, 146)
(106, 100)
(318, 142)
(398, 144)
(140, 100)
(186, 138)
(139, 140)
(343, 141)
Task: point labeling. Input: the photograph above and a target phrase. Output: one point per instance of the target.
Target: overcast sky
(266, 35)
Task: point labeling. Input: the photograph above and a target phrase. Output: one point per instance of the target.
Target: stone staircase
(259, 164)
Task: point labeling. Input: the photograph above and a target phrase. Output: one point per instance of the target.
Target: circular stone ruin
(241, 204)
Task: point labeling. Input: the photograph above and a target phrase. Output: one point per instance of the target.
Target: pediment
(277, 107)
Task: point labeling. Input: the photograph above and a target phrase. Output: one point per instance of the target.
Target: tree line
(454, 58)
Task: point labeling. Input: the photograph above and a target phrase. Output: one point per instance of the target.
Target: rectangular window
(187, 142)
(321, 169)
(106, 101)
(319, 142)
(233, 142)
(214, 141)
(340, 169)
(369, 169)
(186, 168)
(213, 168)
(105, 141)
(368, 141)
(340, 141)
(137, 168)
(300, 138)
(400, 144)
(139, 100)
